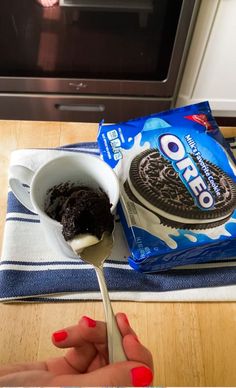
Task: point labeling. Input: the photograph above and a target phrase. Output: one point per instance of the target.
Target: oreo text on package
(172, 147)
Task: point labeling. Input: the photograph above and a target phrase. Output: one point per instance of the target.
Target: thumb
(127, 373)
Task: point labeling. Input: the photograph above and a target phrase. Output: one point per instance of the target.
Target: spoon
(96, 255)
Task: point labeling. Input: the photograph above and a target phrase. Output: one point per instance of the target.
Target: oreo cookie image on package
(178, 187)
(155, 184)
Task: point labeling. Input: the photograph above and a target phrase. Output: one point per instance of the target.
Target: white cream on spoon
(82, 241)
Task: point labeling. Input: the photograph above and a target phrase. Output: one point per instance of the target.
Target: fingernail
(141, 376)
(90, 322)
(60, 335)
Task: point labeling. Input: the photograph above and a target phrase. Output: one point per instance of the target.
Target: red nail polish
(90, 322)
(60, 335)
(141, 376)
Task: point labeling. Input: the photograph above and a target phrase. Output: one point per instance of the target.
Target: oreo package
(178, 187)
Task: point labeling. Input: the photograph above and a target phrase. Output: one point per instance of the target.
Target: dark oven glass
(129, 49)
(132, 41)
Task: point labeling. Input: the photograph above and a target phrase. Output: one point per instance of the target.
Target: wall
(210, 72)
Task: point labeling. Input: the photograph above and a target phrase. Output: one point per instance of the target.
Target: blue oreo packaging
(178, 187)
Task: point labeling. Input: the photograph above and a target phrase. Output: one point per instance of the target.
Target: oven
(87, 60)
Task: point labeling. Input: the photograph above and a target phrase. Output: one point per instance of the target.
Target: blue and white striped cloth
(30, 270)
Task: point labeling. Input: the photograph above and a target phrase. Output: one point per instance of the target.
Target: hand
(86, 361)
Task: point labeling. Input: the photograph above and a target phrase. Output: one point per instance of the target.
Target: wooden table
(193, 344)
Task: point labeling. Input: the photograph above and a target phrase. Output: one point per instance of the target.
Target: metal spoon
(96, 255)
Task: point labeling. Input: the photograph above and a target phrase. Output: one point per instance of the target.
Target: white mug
(79, 168)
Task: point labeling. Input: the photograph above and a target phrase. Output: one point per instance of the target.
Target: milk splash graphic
(213, 233)
(150, 222)
(218, 231)
(141, 217)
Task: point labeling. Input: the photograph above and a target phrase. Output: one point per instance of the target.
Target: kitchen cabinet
(210, 70)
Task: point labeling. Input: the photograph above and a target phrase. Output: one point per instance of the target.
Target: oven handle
(81, 107)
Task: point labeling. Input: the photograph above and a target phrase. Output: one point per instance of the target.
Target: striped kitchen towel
(31, 272)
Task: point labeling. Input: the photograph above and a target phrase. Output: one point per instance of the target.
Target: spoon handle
(115, 348)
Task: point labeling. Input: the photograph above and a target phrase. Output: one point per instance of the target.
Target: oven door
(107, 47)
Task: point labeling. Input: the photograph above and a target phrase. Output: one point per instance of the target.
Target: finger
(20, 367)
(124, 325)
(119, 374)
(135, 351)
(133, 348)
(88, 345)
(27, 378)
(86, 331)
(77, 360)
(89, 330)
(98, 334)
